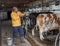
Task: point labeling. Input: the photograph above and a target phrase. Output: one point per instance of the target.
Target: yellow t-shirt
(16, 20)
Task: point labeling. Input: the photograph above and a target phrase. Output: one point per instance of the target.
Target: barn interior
(35, 34)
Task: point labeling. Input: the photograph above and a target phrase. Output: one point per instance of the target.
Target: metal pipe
(14, 2)
(0, 32)
(42, 5)
(57, 37)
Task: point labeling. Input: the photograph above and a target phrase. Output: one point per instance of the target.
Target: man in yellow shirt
(16, 24)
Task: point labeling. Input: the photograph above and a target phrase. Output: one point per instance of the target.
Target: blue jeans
(19, 30)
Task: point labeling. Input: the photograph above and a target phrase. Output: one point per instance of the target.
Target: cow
(41, 21)
(46, 23)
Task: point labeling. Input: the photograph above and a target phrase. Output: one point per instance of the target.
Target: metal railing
(57, 40)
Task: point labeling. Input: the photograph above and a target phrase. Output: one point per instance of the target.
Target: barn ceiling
(10, 3)
(7, 4)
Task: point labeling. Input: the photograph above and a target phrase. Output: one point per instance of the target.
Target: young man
(16, 24)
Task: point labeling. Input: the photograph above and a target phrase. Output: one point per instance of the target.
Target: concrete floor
(7, 32)
(59, 42)
(42, 43)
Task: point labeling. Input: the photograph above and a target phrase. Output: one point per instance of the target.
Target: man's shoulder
(12, 13)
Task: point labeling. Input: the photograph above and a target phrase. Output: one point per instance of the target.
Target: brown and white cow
(46, 23)
(40, 23)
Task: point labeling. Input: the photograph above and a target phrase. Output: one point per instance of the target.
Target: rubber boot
(22, 40)
(14, 41)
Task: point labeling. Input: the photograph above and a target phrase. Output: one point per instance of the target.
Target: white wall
(51, 7)
(56, 8)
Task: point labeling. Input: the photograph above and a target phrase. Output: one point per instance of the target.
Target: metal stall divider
(0, 32)
(57, 40)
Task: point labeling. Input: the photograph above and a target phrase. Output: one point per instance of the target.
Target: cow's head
(58, 20)
(40, 20)
(54, 18)
(48, 17)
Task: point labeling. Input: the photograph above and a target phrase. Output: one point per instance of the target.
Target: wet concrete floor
(7, 30)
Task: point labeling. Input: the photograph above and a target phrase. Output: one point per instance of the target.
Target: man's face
(16, 9)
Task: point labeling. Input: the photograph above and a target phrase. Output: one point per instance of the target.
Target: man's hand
(27, 14)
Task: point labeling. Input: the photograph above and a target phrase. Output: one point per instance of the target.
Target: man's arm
(21, 14)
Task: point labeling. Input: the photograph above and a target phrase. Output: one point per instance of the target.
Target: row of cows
(46, 23)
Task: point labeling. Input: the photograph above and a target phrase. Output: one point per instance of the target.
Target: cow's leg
(33, 32)
(35, 28)
(40, 32)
